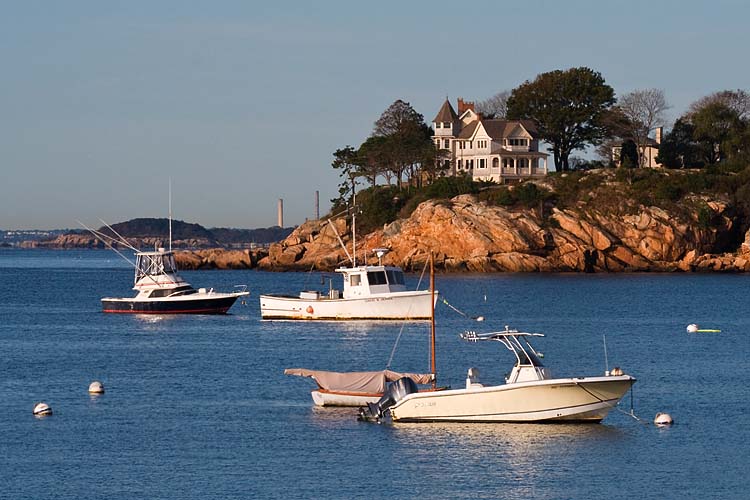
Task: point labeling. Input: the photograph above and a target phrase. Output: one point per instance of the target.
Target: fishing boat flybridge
(529, 394)
(370, 293)
(162, 291)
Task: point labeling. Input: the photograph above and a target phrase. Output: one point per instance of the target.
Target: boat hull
(329, 398)
(555, 400)
(218, 304)
(414, 305)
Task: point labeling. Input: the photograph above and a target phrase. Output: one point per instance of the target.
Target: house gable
(517, 130)
(468, 116)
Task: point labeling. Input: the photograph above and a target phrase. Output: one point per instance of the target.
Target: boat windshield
(376, 278)
(528, 357)
(172, 292)
(395, 277)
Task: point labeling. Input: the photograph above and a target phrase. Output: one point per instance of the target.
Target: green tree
(407, 139)
(346, 161)
(678, 149)
(629, 154)
(568, 107)
(716, 125)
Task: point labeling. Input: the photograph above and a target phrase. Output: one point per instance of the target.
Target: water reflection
(332, 417)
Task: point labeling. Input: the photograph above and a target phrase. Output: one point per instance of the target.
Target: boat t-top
(162, 291)
(529, 394)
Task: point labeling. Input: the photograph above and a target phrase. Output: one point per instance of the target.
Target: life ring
(310, 310)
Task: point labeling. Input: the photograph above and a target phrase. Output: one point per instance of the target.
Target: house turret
(446, 122)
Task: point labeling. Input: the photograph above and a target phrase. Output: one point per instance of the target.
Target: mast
(354, 229)
(432, 322)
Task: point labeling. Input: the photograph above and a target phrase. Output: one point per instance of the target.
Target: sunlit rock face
(467, 235)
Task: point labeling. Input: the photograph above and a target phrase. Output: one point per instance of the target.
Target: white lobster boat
(370, 292)
(529, 394)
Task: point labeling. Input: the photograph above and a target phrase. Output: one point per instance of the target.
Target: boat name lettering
(424, 404)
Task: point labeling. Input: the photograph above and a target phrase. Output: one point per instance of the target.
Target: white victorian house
(502, 151)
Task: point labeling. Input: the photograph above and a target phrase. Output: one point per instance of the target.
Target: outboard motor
(398, 390)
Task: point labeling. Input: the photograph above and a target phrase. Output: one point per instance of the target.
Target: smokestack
(281, 213)
(317, 205)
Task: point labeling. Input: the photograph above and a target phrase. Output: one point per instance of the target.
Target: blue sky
(242, 103)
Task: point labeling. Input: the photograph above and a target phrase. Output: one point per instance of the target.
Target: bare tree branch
(495, 106)
(736, 100)
(645, 110)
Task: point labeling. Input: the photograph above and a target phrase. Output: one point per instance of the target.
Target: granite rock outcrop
(465, 234)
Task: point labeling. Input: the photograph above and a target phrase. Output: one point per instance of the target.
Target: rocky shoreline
(466, 235)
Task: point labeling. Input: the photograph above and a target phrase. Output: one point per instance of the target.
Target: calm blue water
(198, 407)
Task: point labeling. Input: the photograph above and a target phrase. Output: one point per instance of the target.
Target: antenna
(606, 360)
(170, 214)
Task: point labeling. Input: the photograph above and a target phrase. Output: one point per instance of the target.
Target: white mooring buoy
(663, 419)
(42, 409)
(692, 328)
(96, 387)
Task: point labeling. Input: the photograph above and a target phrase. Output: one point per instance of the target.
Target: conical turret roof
(446, 113)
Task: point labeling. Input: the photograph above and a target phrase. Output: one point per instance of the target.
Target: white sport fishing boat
(529, 394)
(162, 291)
(370, 293)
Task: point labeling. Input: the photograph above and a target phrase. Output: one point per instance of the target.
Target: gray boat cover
(364, 382)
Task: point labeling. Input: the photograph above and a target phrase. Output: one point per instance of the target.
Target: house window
(447, 144)
(438, 124)
(469, 164)
(446, 125)
(495, 162)
(517, 142)
(460, 164)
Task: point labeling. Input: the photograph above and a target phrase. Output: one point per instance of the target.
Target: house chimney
(281, 213)
(464, 105)
(658, 134)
